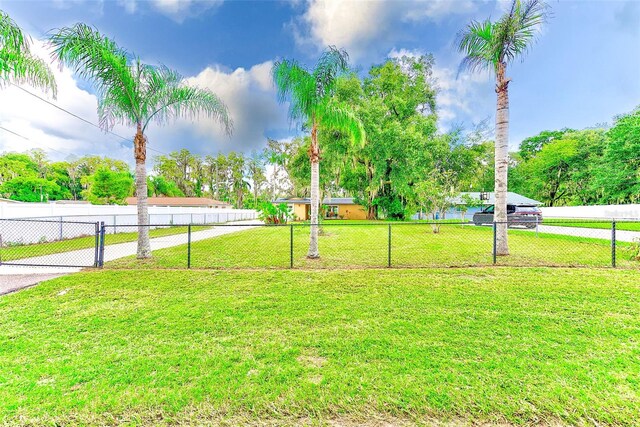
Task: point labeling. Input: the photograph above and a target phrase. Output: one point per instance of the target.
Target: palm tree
(492, 46)
(310, 94)
(17, 64)
(134, 94)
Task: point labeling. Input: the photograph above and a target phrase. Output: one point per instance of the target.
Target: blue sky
(584, 69)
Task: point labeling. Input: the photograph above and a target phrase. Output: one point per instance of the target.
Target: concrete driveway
(596, 233)
(14, 277)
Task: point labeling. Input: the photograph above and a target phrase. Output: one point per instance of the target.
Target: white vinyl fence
(22, 224)
(630, 211)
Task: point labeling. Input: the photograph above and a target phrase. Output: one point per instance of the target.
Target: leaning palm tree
(134, 94)
(310, 94)
(492, 46)
(17, 64)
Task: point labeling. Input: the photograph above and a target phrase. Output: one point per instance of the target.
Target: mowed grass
(512, 345)
(597, 224)
(11, 253)
(367, 245)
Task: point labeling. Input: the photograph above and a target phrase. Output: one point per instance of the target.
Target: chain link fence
(396, 244)
(251, 244)
(49, 243)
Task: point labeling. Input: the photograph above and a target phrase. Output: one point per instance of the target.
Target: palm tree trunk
(502, 160)
(314, 156)
(140, 152)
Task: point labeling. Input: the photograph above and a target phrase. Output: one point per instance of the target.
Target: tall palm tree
(134, 94)
(492, 46)
(310, 94)
(17, 64)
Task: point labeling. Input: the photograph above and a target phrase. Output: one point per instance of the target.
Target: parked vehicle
(517, 215)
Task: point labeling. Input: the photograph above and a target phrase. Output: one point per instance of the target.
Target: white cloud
(131, 6)
(178, 10)
(361, 25)
(55, 131)
(251, 100)
(462, 97)
(248, 93)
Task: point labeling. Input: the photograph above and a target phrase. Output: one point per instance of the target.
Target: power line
(16, 134)
(79, 117)
(28, 139)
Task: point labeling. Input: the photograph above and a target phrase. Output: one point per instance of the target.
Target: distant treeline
(32, 177)
(569, 167)
(406, 165)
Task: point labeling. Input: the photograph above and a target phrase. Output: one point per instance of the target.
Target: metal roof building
(512, 198)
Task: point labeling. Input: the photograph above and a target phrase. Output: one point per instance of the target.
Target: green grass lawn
(513, 345)
(362, 245)
(28, 251)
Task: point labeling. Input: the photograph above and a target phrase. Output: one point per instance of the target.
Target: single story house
(182, 202)
(336, 208)
(483, 199)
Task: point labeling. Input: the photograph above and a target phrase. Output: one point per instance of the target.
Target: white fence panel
(631, 211)
(58, 222)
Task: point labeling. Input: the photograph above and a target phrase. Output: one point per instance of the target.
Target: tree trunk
(502, 160)
(239, 197)
(314, 157)
(140, 153)
(371, 212)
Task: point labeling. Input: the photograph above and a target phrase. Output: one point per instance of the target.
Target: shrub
(634, 250)
(274, 214)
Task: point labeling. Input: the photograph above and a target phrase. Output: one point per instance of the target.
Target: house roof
(512, 199)
(179, 201)
(326, 201)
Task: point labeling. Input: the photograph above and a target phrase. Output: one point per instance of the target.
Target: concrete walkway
(595, 233)
(13, 277)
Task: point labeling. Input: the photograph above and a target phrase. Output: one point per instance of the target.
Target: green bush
(634, 250)
(274, 214)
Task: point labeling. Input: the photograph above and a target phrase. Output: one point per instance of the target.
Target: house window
(331, 212)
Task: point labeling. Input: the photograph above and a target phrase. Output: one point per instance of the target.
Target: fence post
(189, 246)
(389, 249)
(291, 246)
(61, 228)
(613, 243)
(97, 246)
(101, 255)
(495, 243)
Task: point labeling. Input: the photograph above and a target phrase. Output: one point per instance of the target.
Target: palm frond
(478, 44)
(332, 63)
(296, 84)
(486, 44)
(16, 61)
(100, 60)
(335, 116)
(516, 31)
(154, 81)
(307, 90)
(11, 36)
(32, 71)
(182, 101)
